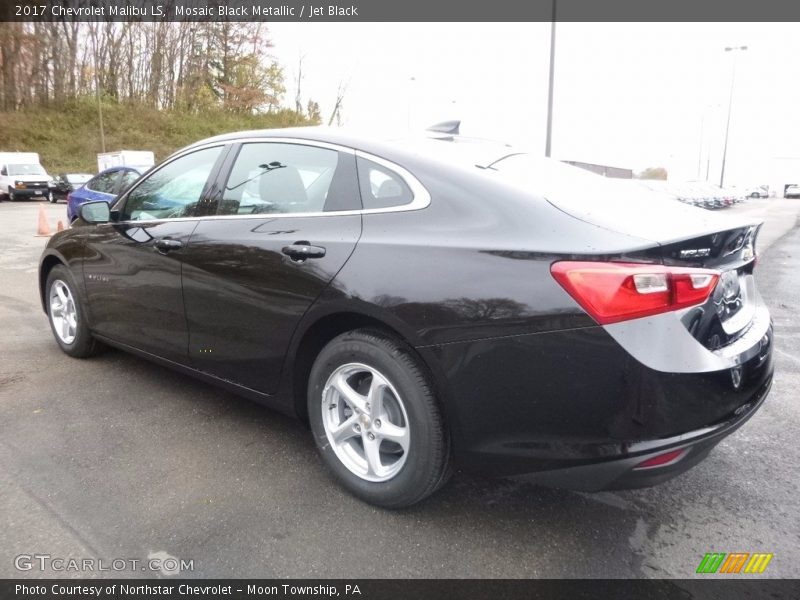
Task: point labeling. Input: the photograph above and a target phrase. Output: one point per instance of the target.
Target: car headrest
(283, 186)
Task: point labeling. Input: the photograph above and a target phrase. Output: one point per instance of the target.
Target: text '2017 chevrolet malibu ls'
(428, 305)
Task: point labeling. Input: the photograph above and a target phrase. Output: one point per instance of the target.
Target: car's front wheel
(376, 420)
(67, 315)
(51, 197)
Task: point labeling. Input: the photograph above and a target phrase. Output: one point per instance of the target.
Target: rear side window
(104, 182)
(283, 178)
(381, 187)
(174, 190)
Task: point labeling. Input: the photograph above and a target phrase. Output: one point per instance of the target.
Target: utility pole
(97, 91)
(100, 116)
(549, 136)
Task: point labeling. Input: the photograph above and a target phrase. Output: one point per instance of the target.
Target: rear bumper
(573, 409)
(623, 473)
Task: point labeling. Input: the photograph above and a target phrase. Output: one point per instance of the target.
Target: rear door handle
(165, 245)
(300, 251)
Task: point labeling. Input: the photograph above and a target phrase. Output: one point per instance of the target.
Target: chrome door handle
(165, 245)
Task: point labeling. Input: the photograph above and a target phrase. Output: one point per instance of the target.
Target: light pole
(730, 104)
(549, 136)
(700, 150)
(411, 81)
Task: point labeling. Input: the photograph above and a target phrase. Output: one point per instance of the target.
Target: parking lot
(115, 457)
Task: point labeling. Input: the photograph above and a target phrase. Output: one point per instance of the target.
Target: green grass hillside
(67, 138)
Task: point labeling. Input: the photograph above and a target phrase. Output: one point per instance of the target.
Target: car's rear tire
(67, 316)
(51, 198)
(376, 421)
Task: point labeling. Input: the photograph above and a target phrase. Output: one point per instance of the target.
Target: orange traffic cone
(44, 228)
(60, 226)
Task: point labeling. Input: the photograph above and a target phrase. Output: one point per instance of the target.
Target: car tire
(51, 198)
(67, 315)
(394, 451)
(11, 195)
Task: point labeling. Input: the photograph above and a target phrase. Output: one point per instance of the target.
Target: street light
(730, 104)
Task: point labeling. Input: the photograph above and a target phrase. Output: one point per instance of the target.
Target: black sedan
(428, 305)
(65, 183)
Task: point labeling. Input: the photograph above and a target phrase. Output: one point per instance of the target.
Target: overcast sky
(626, 94)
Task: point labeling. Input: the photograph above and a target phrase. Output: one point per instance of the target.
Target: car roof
(457, 150)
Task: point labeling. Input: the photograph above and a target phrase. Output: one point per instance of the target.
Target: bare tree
(336, 113)
(298, 96)
(196, 65)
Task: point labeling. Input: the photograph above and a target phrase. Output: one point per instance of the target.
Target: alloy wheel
(365, 422)
(63, 313)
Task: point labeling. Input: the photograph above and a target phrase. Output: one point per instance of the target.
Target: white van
(22, 176)
(141, 160)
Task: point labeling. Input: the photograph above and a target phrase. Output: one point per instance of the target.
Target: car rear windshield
(568, 186)
(616, 204)
(26, 170)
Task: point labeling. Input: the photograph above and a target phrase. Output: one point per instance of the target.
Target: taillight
(611, 292)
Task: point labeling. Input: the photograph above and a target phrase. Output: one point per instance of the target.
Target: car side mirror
(95, 212)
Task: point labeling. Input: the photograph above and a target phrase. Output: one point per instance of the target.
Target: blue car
(106, 185)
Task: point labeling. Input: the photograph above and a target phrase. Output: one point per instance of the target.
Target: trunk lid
(682, 235)
(688, 237)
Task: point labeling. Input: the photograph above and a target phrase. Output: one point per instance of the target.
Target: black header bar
(386, 589)
(400, 10)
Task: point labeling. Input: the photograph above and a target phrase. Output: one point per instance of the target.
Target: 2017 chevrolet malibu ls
(427, 305)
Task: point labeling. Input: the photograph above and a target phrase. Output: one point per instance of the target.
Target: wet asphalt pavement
(114, 457)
